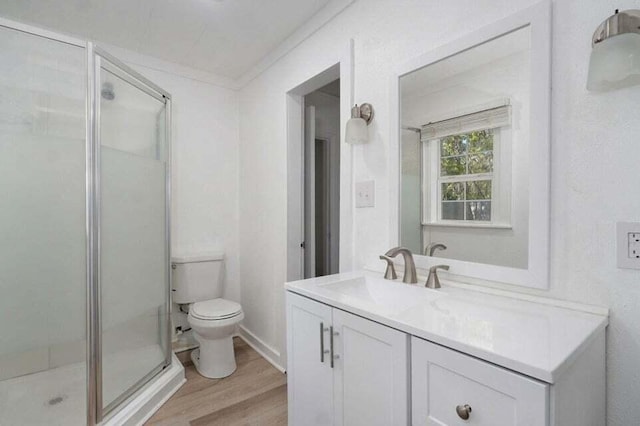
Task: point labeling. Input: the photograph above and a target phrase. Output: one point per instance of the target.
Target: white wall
(594, 147)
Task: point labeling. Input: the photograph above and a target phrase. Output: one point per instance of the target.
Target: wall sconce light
(615, 57)
(357, 132)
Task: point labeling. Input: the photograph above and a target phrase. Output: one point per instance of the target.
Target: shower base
(58, 396)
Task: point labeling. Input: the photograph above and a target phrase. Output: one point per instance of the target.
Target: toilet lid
(215, 309)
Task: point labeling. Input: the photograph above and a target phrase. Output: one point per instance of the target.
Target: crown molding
(306, 30)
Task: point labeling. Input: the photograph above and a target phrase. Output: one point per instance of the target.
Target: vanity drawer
(445, 381)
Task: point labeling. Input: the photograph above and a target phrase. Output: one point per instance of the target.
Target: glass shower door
(42, 230)
(133, 273)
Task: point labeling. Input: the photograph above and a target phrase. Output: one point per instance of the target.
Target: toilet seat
(215, 309)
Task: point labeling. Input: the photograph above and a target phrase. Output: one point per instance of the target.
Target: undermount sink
(392, 295)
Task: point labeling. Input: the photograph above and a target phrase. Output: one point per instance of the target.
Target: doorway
(321, 174)
(334, 85)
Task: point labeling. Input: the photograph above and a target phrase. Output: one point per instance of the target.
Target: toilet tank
(197, 277)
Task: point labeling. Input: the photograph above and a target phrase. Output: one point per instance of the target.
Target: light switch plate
(366, 194)
(628, 245)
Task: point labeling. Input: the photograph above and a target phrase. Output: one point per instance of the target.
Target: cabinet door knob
(464, 411)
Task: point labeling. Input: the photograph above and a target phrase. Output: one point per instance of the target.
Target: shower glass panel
(134, 276)
(42, 231)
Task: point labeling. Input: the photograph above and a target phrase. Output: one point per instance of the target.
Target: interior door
(371, 374)
(310, 376)
(309, 192)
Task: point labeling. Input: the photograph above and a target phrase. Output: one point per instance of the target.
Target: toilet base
(215, 359)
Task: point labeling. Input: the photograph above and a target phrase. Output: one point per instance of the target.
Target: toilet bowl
(214, 322)
(198, 282)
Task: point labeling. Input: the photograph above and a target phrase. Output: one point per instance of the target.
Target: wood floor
(256, 394)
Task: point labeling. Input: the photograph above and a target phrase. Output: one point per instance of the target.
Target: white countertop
(531, 338)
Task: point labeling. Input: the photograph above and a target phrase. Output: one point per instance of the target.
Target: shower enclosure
(84, 227)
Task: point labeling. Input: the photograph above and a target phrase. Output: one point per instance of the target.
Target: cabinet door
(371, 376)
(444, 381)
(309, 374)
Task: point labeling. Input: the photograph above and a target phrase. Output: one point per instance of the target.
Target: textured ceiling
(224, 37)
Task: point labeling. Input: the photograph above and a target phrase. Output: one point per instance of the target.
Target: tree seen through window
(466, 175)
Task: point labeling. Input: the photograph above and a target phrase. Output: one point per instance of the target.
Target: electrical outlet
(365, 193)
(628, 242)
(634, 245)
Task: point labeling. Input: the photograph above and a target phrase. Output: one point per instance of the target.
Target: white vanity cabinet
(449, 388)
(452, 357)
(343, 369)
(454, 389)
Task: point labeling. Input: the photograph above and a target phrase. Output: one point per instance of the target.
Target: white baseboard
(266, 351)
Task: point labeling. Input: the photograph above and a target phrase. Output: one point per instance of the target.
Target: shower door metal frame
(98, 59)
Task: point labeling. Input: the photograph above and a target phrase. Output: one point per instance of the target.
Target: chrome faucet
(432, 280)
(432, 247)
(410, 275)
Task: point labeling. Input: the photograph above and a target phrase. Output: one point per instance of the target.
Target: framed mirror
(472, 136)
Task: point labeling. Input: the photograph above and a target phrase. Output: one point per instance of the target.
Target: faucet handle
(432, 280)
(435, 268)
(390, 272)
(432, 247)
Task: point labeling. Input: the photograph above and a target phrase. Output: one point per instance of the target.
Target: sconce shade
(615, 58)
(357, 132)
(615, 63)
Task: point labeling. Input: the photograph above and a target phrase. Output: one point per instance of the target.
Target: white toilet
(197, 281)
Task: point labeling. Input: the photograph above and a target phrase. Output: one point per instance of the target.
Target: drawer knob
(464, 411)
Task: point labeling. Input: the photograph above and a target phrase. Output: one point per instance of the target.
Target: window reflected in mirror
(464, 153)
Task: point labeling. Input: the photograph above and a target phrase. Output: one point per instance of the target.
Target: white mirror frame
(538, 18)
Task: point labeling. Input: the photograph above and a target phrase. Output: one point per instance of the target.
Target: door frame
(308, 193)
(341, 68)
(325, 143)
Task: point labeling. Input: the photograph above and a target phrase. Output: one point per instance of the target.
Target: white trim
(265, 351)
(306, 30)
(538, 18)
(295, 186)
(347, 169)
(140, 60)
